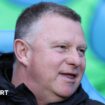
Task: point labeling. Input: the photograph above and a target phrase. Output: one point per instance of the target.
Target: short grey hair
(33, 14)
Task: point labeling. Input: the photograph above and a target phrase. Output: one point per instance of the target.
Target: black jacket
(23, 96)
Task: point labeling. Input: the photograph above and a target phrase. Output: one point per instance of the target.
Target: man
(49, 61)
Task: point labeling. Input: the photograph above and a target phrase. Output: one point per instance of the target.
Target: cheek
(54, 61)
(51, 58)
(45, 64)
(83, 64)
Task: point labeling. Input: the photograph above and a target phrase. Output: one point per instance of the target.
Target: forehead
(59, 28)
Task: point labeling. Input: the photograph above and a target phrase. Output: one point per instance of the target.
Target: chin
(67, 92)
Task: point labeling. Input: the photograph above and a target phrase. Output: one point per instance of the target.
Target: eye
(61, 48)
(82, 52)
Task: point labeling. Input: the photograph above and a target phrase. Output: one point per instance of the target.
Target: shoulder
(4, 100)
(94, 102)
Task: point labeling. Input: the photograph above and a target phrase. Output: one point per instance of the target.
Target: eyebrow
(83, 46)
(67, 42)
(59, 42)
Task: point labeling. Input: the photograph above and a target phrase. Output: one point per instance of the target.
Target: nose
(73, 58)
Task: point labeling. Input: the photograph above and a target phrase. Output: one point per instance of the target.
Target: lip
(70, 77)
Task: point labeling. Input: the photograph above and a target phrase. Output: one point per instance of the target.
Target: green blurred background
(95, 69)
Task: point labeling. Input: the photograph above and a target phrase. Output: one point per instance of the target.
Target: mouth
(70, 77)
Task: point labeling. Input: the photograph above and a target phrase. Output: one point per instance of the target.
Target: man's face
(58, 61)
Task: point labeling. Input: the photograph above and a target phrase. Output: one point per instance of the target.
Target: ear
(22, 51)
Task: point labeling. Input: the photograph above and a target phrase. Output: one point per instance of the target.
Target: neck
(20, 76)
(43, 96)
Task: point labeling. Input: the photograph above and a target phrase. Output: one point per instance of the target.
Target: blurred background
(93, 22)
